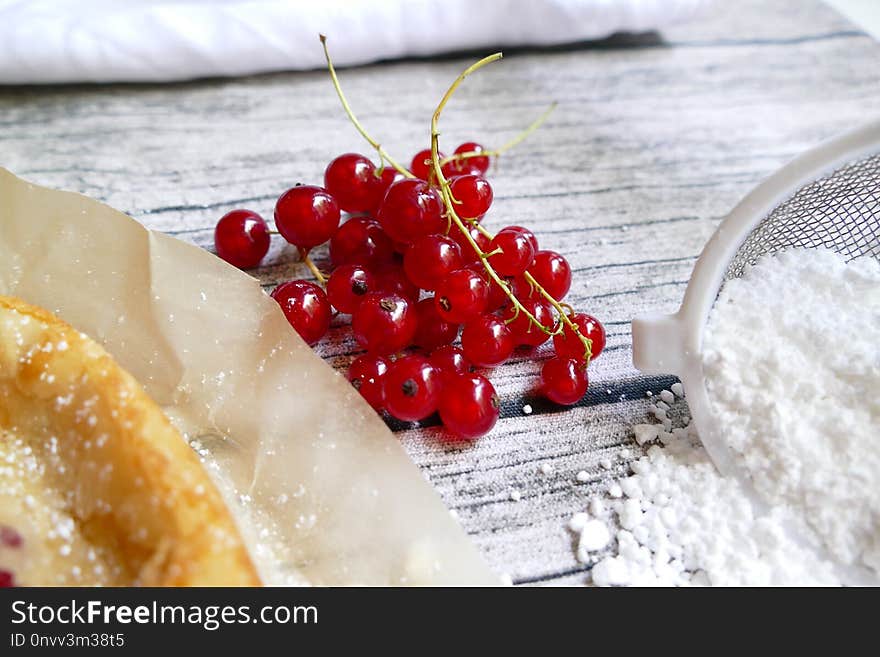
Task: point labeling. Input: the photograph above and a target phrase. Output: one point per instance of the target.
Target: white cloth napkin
(46, 41)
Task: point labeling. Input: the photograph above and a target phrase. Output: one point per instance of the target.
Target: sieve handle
(658, 344)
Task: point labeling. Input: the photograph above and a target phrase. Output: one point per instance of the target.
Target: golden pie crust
(96, 485)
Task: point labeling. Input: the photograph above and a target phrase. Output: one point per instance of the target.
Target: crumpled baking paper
(322, 490)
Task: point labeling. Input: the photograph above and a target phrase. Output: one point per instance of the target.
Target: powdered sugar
(792, 363)
(793, 366)
(682, 523)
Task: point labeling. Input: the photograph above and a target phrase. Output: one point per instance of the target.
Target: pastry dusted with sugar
(96, 485)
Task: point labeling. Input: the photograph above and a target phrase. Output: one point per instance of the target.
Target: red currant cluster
(415, 268)
(410, 281)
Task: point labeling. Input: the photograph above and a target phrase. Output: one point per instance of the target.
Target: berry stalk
(449, 202)
(383, 154)
(317, 273)
(458, 157)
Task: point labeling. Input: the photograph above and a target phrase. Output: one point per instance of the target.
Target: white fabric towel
(48, 41)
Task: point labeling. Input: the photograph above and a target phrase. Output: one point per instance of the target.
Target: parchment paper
(323, 491)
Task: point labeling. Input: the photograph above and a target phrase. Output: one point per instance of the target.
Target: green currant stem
(506, 147)
(518, 307)
(317, 273)
(383, 154)
(480, 227)
(450, 202)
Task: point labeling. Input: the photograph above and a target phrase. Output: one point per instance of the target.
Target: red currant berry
(410, 210)
(412, 388)
(386, 178)
(306, 307)
(355, 183)
(564, 380)
(432, 331)
(306, 216)
(552, 272)
(497, 296)
(449, 360)
(360, 241)
(516, 252)
(241, 238)
(384, 323)
(430, 259)
(349, 284)
(529, 235)
(478, 164)
(525, 333)
(421, 166)
(10, 537)
(522, 289)
(461, 296)
(473, 193)
(468, 405)
(456, 168)
(366, 374)
(487, 341)
(468, 254)
(7, 579)
(392, 278)
(569, 345)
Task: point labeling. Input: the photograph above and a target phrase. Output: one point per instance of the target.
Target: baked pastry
(96, 485)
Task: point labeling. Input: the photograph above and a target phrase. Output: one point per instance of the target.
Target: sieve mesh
(840, 211)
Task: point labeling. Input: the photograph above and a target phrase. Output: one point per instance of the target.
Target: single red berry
(473, 193)
(449, 360)
(306, 307)
(349, 284)
(497, 296)
(7, 579)
(306, 216)
(552, 272)
(478, 164)
(516, 252)
(568, 345)
(384, 323)
(412, 388)
(241, 238)
(468, 253)
(10, 538)
(459, 168)
(430, 259)
(421, 166)
(461, 296)
(360, 241)
(564, 380)
(432, 331)
(355, 183)
(529, 235)
(487, 341)
(524, 331)
(392, 278)
(366, 374)
(468, 405)
(522, 289)
(410, 210)
(386, 179)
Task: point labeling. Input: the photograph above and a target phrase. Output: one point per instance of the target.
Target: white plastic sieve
(828, 197)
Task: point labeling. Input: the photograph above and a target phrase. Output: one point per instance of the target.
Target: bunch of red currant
(416, 269)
